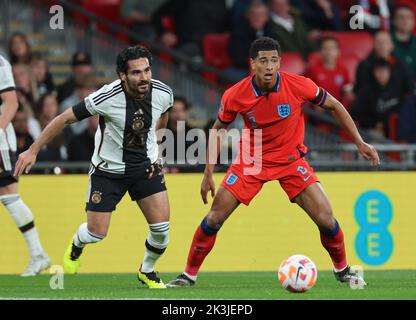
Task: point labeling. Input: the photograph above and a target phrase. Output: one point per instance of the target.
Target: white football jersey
(7, 84)
(126, 136)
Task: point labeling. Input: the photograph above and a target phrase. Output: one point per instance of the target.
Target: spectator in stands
(404, 40)
(21, 128)
(383, 48)
(29, 109)
(26, 81)
(238, 11)
(411, 4)
(288, 28)
(138, 16)
(19, 49)
(376, 15)
(378, 99)
(81, 65)
(329, 72)
(319, 14)
(192, 19)
(81, 146)
(48, 109)
(179, 126)
(43, 77)
(242, 35)
(84, 86)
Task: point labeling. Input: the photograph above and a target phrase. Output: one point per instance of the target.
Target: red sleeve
(226, 113)
(311, 92)
(309, 89)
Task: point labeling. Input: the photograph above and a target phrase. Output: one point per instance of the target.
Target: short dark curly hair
(131, 53)
(264, 44)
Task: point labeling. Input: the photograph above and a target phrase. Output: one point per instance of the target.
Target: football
(298, 273)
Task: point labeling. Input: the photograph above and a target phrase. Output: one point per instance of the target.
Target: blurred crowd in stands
(40, 100)
(372, 70)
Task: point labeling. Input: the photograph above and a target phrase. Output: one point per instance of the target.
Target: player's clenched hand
(369, 153)
(25, 162)
(207, 184)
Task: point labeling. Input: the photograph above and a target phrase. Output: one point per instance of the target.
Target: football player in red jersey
(271, 101)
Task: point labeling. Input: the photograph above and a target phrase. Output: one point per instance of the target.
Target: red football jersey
(278, 114)
(332, 80)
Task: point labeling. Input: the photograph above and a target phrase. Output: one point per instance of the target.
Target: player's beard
(138, 90)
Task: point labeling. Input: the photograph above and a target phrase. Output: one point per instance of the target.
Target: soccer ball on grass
(298, 273)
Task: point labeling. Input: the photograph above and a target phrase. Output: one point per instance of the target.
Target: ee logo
(373, 213)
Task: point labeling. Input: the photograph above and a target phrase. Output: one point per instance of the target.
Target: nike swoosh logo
(307, 178)
(297, 274)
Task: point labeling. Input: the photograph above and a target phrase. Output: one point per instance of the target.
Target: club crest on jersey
(96, 197)
(232, 178)
(138, 120)
(283, 110)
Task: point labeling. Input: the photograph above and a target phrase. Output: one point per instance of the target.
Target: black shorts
(6, 177)
(106, 191)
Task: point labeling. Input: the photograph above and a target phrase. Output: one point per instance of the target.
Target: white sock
(339, 270)
(156, 243)
(23, 219)
(149, 261)
(84, 236)
(193, 278)
(33, 243)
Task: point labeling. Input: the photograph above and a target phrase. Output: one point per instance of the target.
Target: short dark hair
(81, 58)
(183, 100)
(131, 53)
(324, 39)
(402, 6)
(264, 44)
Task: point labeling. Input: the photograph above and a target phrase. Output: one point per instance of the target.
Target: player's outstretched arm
(28, 158)
(213, 150)
(345, 120)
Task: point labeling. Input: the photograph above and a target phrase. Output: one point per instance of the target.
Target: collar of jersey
(256, 89)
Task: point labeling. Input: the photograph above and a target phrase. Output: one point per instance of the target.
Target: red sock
(336, 248)
(200, 247)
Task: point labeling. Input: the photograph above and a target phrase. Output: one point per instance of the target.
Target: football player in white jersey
(9, 195)
(125, 158)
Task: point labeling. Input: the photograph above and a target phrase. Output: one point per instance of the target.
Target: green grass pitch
(392, 284)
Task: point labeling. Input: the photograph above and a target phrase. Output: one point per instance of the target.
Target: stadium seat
(168, 23)
(215, 50)
(393, 126)
(358, 43)
(107, 9)
(292, 62)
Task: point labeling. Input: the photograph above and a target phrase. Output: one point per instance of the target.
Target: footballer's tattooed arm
(344, 119)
